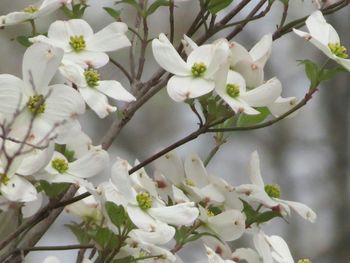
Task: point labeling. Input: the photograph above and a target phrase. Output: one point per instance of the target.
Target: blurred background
(306, 155)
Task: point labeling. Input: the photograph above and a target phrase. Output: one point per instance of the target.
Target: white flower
(95, 91)
(145, 209)
(272, 249)
(59, 170)
(282, 105)
(40, 104)
(195, 77)
(234, 92)
(251, 64)
(268, 195)
(324, 37)
(81, 46)
(32, 12)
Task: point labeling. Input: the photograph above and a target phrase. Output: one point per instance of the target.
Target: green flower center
(4, 179)
(232, 90)
(92, 78)
(273, 190)
(36, 104)
(190, 182)
(338, 50)
(77, 43)
(144, 200)
(198, 69)
(210, 213)
(60, 165)
(30, 9)
(304, 261)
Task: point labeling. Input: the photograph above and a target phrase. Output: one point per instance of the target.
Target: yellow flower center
(4, 179)
(198, 69)
(144, 200)
(60, 165)
(273, 190)
(338, 50)
(210, 213)
(30, 9)
(190, 182)
(232, 90)
(92, 77)
(36, 104)
(77, 43)
(304, 261)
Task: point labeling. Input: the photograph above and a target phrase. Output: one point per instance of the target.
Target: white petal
(179, 195)
(247, 254)
(51, 259)
(212, 194)
(30, 208)
(162, 234)
(11, 98)
(77, 27)
(263, 95)
(182, 88)
(87, 59)
(121, 180)
(195, 170)
(189, 45)
(18, 189)
(282, 105)
(254, 193)
(220, 56)
(110, 38)
(263, 247)
(180, 214)
(344, 62)
(97, 101)
(168, 58)
(213, 257)
(254, 173)
(238, 53)
(260, 53)
(320, 29)
(63, 103)
(281, 248)
(141, 219)
(170, 165)
(16, 18)
(49, 6)
(73, 73)
(303, 210)
(115, 90)
(92, 163)
(40, 64)
(229, 225)
(252, 73)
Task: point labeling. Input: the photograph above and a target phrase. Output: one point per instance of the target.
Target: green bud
(338, 50)
(144, 200)
(60, 165)
(36, 104)
(273, 190)
(198, 69)
(77, 43)
(232, 90)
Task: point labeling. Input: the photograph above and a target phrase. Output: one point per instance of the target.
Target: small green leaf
(104, 237)
(312, 71)
(128, 259)
(328, 74)
(80, 233)
(54, 189)
(153, 7)
(181, 234)
(24, 41)
(112, 12)
(116, 213)
(217, 5)
(266, 216)
(248, 120)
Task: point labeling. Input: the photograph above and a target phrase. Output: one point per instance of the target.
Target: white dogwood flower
(232, 89)
(325, 37)
(192, 78)
(32, 12)
(42, 107)
(81, 45)
(95, 91)
(268, 195)
(145, 209)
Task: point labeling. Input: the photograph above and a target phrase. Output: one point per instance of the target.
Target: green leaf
(312, 71)
(153, 7)
(181, 234)
(53, 190)
(116, 213)
(266, 216)
(67, 11)
(328, 74)
(24, 41)
(104, 237)
(112, 12)
(80, 233)
(197, 236)
(127, 259)
(132, 3)
(248, 120)
(217, 5)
